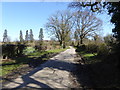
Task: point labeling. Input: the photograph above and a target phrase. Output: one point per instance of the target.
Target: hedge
(11, 50)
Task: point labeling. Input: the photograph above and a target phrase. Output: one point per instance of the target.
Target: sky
(24, 16)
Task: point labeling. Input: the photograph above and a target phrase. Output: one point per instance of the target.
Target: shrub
(8, 50)
(80, 48)
(103, 50)
(40, 47)
(28, 50)
(11, 50)
(92, 48)
(20, 48)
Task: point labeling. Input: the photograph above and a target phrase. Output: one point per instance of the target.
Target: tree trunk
(64, 46)
(60, 42)
(78, 43)
(81, 41)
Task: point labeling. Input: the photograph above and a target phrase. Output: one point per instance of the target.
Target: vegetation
(113, 10)
(33, 58)
(108, 52)
(94, 6)
(41, 36)
(89, 57)
(21, 37)
(40, 46)
(31, 36)
(102, 68)
(9, 68)
(85, 25)
(5, 37)
(26, 36)
(60, 25)
(11, 50)
(101, 54)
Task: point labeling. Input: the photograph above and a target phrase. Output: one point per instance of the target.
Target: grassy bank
(103, 70)
(90, 58)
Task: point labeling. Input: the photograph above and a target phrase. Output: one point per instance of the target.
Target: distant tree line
(29, 37)
(10, 50)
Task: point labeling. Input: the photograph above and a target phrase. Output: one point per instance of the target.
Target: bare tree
(95, 5)
(86, 24)
(60, 26)
(76, 37)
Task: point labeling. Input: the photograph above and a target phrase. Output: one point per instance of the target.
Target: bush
(103, 50)
(92, 48)
(11, 50)
(28, 50)
(40, 47)
(8, 50)
(80, 48)
(20, 48)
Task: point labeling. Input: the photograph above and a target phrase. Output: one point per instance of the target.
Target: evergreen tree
(5, 36)
(26, 36)
(41, 35)
(31, 36)
(21, 37)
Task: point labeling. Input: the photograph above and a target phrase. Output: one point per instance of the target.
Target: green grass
(8, 68)
(56, 50)
(75, 47)
(37, 54)
(89, 57)
(10, 62)
(28, 50)
(81, 52)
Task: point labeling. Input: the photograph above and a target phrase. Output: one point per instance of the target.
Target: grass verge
(90, 58)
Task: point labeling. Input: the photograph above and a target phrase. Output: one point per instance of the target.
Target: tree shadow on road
(52, 64)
